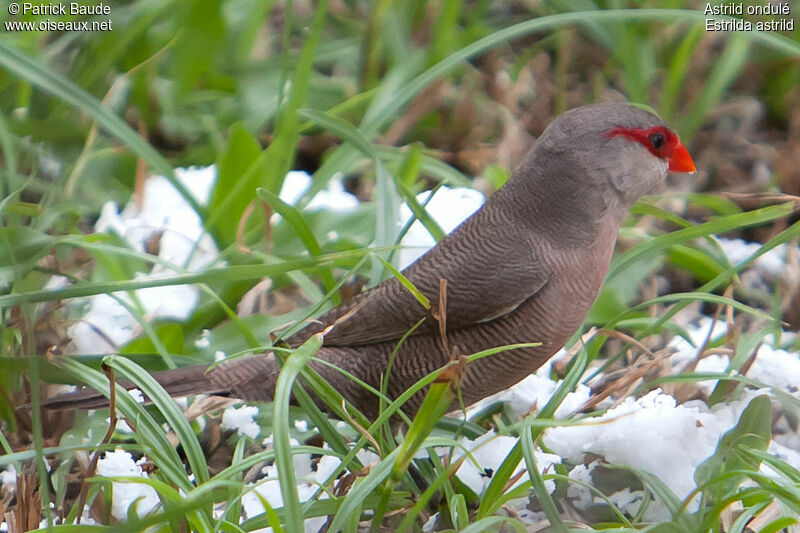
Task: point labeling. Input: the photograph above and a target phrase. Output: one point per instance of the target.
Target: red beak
(680, 160)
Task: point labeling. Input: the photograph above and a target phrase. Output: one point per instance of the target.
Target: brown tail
(178, 382)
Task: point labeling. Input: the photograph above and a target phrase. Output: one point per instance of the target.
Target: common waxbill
(524, 268)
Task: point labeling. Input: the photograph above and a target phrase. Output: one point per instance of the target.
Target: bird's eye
(657, 140)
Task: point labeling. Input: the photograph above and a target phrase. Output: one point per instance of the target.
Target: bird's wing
(489, 272)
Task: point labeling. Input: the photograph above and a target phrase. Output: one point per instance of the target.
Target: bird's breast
(577, 274)
(549, 317)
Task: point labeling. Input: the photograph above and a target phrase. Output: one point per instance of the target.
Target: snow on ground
(487, 453)
(772, 262)
(242, 420)
(772, 366)
(8, 477)
(333, 198)
(120, 463)
(777, 368)
(106, 323)
(532, 393)
(308, 481)
(652, 433)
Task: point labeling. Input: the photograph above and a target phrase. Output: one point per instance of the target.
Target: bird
(525, 268)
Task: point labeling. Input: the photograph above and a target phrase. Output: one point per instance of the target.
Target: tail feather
(177, 382)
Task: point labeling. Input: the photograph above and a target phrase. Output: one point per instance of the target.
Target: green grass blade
(715, 226)
(172, 413)
(351, 505)
(405, 282)
(341, 128)
(542, 494)
(283, 452)
(293, 216)
(437, 401)
(211, 276)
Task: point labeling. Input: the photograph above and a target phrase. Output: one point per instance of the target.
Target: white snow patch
(333, 198)
(325, 467)
(653, 434)
(534, 392)
(120, 463)
(164, 209)
(294, 186)
(137, 395)
(106, 323)
(777, 368)
(686, 351)
(772, 366)
(308, 482)
(242, 420)
(8, 477)
(580, 496)
(772, 262)
(204, 340)
(490, 450)
(367, 457)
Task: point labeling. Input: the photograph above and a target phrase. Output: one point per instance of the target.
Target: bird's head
(619, 148)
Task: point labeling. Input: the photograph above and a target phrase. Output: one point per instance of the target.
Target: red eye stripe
(644, 136)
